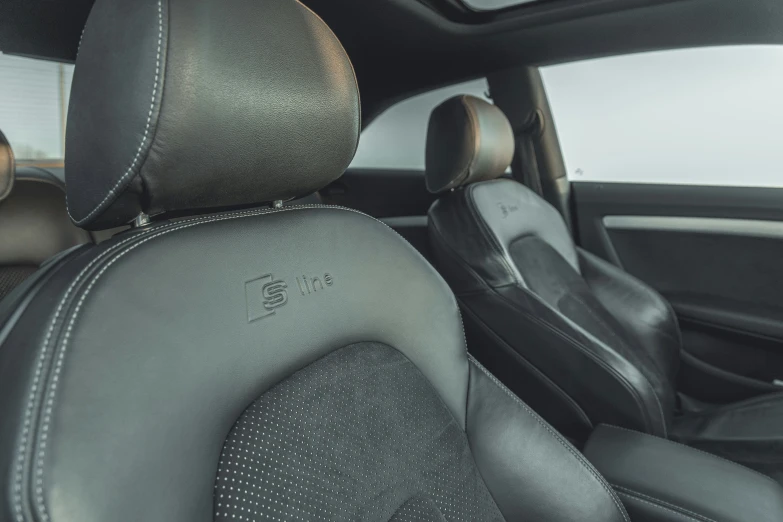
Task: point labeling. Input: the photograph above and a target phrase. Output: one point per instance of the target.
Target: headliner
(400, 47)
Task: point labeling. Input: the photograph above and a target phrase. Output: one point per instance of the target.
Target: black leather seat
(582, 341)
(34, 224)
(272, 363)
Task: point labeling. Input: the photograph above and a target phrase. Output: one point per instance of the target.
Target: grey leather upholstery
(126, 365)
(703, 488)
(749, 431)
(228, 124)
(579, 339)
(468, 140)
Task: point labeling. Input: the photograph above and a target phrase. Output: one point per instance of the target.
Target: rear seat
(34, 224)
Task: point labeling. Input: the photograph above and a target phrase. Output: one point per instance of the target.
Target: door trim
(721, 226)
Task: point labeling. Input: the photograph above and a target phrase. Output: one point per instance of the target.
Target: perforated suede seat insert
(358, 435)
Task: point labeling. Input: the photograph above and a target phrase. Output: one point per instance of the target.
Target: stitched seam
(660, 504)
(37, 377)
(770, 479)
(44, 351)
(464, 340)
(557, 437)
(112, 191)
(61, 356)
(629, 491)
(81, 37)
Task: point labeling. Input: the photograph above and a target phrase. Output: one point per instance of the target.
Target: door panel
(716, 254)
(397, 197)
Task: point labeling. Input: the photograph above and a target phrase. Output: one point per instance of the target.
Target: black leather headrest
(468, 140)
(184, 105)
(7, 167)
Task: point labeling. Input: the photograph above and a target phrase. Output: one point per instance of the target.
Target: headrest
(185, 105)
(7, 167)
(468, 140)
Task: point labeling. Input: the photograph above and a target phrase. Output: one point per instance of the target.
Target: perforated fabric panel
(418, 510)
(357, 435)
(12, 276)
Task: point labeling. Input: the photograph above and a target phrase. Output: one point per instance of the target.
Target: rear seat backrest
(34, 224)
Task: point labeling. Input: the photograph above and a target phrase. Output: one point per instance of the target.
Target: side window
(33, 106)
(706, 116)
(396, 139)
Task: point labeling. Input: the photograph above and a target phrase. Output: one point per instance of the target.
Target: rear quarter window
(397, 138)
(706, 116)
(33, 106)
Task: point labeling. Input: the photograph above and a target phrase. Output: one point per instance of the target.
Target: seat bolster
(638, 307)
(522, 320)
(644, 314)
(512, 445)
(660, 480)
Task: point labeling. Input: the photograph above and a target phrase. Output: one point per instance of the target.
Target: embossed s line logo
(506, 210)
(264, 295)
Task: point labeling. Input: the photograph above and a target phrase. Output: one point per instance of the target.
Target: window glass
(708, 116)
(33, 106)
(397, 138)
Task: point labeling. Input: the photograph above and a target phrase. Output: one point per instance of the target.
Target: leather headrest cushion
(468, 140)
(184, 105)
(7, 167)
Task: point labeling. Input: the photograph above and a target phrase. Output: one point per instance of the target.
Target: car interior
(214, 306)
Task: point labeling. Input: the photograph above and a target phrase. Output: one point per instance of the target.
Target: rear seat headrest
(7, 167)
(185, 105)
(468, 140)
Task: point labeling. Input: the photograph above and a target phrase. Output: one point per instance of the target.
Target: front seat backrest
(274, 363)
(542, 313)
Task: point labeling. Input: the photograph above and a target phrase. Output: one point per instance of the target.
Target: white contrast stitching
(557, 437)
(128, 172)
(37, 377)
(42, 357)
(81, 37)
(151, 234)
(663, 505)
